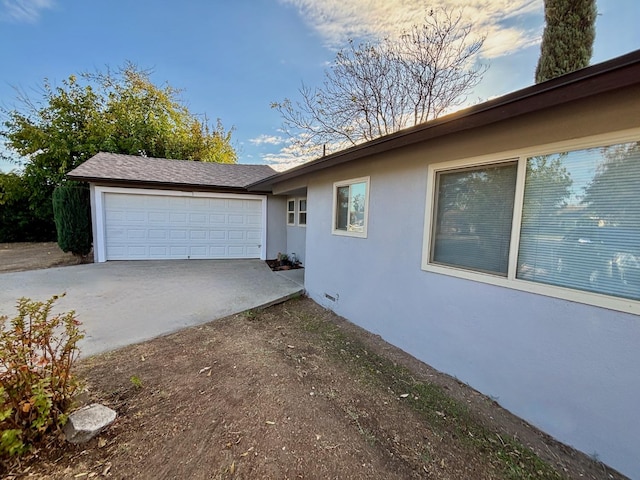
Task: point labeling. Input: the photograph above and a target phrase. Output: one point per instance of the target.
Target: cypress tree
(567, 41)
(72, 215)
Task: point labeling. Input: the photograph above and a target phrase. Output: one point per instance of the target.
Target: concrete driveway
(121, 303)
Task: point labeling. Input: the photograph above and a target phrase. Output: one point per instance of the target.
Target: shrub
(37, 351)
(72, 215)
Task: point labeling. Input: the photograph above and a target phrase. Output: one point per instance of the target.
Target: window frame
(300, 211)
(349, 183)
(510, 281)
(292, 212)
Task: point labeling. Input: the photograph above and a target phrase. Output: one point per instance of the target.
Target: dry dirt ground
(18, 257)
(294, 391)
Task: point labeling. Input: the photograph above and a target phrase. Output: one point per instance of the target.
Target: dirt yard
(291, 392)
(18, 257)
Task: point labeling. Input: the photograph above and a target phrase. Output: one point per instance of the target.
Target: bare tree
(373, 89)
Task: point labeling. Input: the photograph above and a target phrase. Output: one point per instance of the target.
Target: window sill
(563, 293)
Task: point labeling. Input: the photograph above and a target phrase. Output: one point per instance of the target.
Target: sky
(233, 58)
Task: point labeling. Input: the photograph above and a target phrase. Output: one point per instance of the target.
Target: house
(451, 241)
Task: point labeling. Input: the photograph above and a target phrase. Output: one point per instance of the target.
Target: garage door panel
(217, 235)
(136, 216)
(139, 226)
(254, 220)
(177, 218)
(158, 251)
(236, 250)
(157, 217)
(197, 218)
(155, 234)
(198, 235)
(133, 234)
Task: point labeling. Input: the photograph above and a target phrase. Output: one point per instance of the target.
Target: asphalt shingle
(113, 167)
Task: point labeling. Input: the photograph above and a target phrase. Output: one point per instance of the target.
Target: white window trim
(298, 200)
(346, 183)
(521, 155)
(294, 211)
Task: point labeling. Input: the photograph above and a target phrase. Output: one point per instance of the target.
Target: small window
(291, 212)
(351, 200)
(302, 211)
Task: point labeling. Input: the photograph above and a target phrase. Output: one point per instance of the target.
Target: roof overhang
(614, 74)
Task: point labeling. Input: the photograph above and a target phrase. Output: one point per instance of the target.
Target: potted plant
(283, 260)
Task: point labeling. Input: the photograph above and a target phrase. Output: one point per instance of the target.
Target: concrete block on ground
(87, 422)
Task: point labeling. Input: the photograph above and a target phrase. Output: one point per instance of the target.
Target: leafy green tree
(16, 220)
(118, 112)
(567, 41)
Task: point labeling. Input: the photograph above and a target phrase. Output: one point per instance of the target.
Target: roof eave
(607, 76)
(152, 184)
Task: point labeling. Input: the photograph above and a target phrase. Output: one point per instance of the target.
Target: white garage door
(142, 226)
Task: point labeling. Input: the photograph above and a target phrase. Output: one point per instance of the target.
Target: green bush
(18, 222)
(37, 351)
(72, 215)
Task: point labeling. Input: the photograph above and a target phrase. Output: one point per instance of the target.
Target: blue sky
(232, 58)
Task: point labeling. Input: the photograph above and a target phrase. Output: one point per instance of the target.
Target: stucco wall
(569, 368)
(296, 241)
(276, 226)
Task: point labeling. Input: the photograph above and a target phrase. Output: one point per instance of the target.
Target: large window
(350, 205)
(563, 222)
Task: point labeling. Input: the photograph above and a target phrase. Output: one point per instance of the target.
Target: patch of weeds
(425, 455)
(369, 437)
(442, 412)
(136, 381)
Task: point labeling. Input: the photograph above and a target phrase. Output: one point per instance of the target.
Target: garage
(159, 209)
(180, 225)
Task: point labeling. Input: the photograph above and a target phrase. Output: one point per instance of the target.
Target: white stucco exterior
(567, 367)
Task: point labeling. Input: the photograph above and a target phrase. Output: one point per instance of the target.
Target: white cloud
(24, 10)
(293, 154)
(501, 20)
(267, 140)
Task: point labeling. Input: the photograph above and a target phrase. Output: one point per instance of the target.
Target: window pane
(291, 205)
(342, 207)
(357, 195)
(473, 218)
(581, 220)
(303, 218)
(291, 218)
(303, 205)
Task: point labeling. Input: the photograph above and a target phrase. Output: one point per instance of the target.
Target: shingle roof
(117, 168)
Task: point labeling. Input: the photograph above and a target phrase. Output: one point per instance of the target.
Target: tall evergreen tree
(567, 41)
